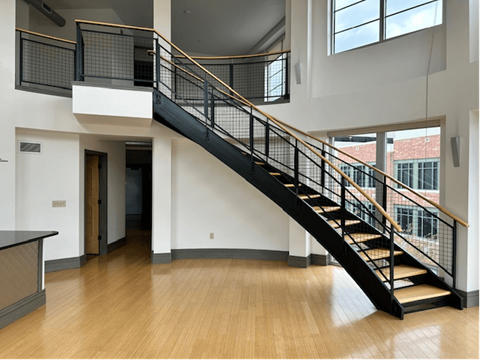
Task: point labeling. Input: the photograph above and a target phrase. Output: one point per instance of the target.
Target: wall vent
(30, 147)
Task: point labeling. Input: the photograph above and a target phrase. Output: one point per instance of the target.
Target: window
(419, 175)
(405, 219)
(427, 225)
(405, 173)
(428, 175)
(360, 174)
(275, 78)
(357, 23)
(418, 222)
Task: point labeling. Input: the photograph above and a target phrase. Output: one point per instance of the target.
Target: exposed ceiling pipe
(47, 11)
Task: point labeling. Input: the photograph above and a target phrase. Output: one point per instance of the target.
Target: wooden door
(92, 210)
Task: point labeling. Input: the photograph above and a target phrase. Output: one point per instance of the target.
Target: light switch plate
(59, 203)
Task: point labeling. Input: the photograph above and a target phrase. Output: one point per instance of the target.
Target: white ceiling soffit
(224, 27)
(132, 12)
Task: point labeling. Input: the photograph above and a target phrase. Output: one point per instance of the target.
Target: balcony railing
(47, 64)
(44, 63)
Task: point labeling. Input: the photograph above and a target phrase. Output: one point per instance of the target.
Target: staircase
(363, 250)
(308, 180)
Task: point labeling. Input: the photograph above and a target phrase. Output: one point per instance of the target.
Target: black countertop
(10, 238)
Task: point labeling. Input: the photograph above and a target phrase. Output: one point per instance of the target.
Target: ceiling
(213, 27)
(223, 27)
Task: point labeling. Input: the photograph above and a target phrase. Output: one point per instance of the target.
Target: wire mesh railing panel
(258, 78)
(118, 57)
(45, 62)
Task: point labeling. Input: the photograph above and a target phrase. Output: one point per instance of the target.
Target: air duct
(47, 11)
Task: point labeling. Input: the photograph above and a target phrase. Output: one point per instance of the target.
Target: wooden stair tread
(419, 292)
(311, 196)
(291, 185)
(361, 237)
(275, 174)
(400, 272)
(325, 209)
(259, 163)
(379, 253)
(336, 223)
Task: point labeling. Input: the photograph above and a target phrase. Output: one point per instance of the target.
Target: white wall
(208, 197)
(42, 178)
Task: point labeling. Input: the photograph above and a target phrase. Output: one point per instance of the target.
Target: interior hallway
(122, 306)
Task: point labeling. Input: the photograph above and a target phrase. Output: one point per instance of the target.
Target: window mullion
(382, 20)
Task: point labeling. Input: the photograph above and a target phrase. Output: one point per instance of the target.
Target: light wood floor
(121, 306)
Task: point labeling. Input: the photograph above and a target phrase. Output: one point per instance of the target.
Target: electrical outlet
(212, 235)
(59, 203)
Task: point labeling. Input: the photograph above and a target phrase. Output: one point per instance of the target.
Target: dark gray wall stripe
(470, 298)
(22, 308)
(323, 260)
(116, 245)
(299, 261)
(165, 258)
(245, 254)
(64, 264)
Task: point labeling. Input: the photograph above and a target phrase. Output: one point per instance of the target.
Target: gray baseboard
(299, 261)
(244, 254)
(470, 298)
(312, 259)
(116, 245)
(64, 264)
(322, 260)
(165, 258)
(21, 308)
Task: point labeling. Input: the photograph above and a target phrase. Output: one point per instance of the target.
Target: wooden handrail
(233, 56)
(45, 36)
(423, 197)
(271, 118)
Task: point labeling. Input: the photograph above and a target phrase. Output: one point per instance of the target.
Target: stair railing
(223, 110)
(414, 211)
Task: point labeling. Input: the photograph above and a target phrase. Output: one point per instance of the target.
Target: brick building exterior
(416, 163)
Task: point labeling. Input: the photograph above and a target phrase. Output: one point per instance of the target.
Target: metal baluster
(267, 140)
(251, 137)
(212, 109)
(157, 63)
(296, 167)
(343, 210)
(79, 50)
(392, 262)
(21, 59)
(454, 255)
(384, 200)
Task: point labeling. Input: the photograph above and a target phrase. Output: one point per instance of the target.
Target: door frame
(103, 214)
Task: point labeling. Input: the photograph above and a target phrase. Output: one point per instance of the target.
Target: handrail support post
(392, 263)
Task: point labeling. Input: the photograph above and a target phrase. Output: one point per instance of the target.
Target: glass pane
(416, 19)
(363, 35)
(339, 4)
(357, 14)
(394, 6)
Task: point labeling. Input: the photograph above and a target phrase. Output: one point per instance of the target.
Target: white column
(162, 198)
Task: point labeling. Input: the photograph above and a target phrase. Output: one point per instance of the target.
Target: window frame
(382, 19)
